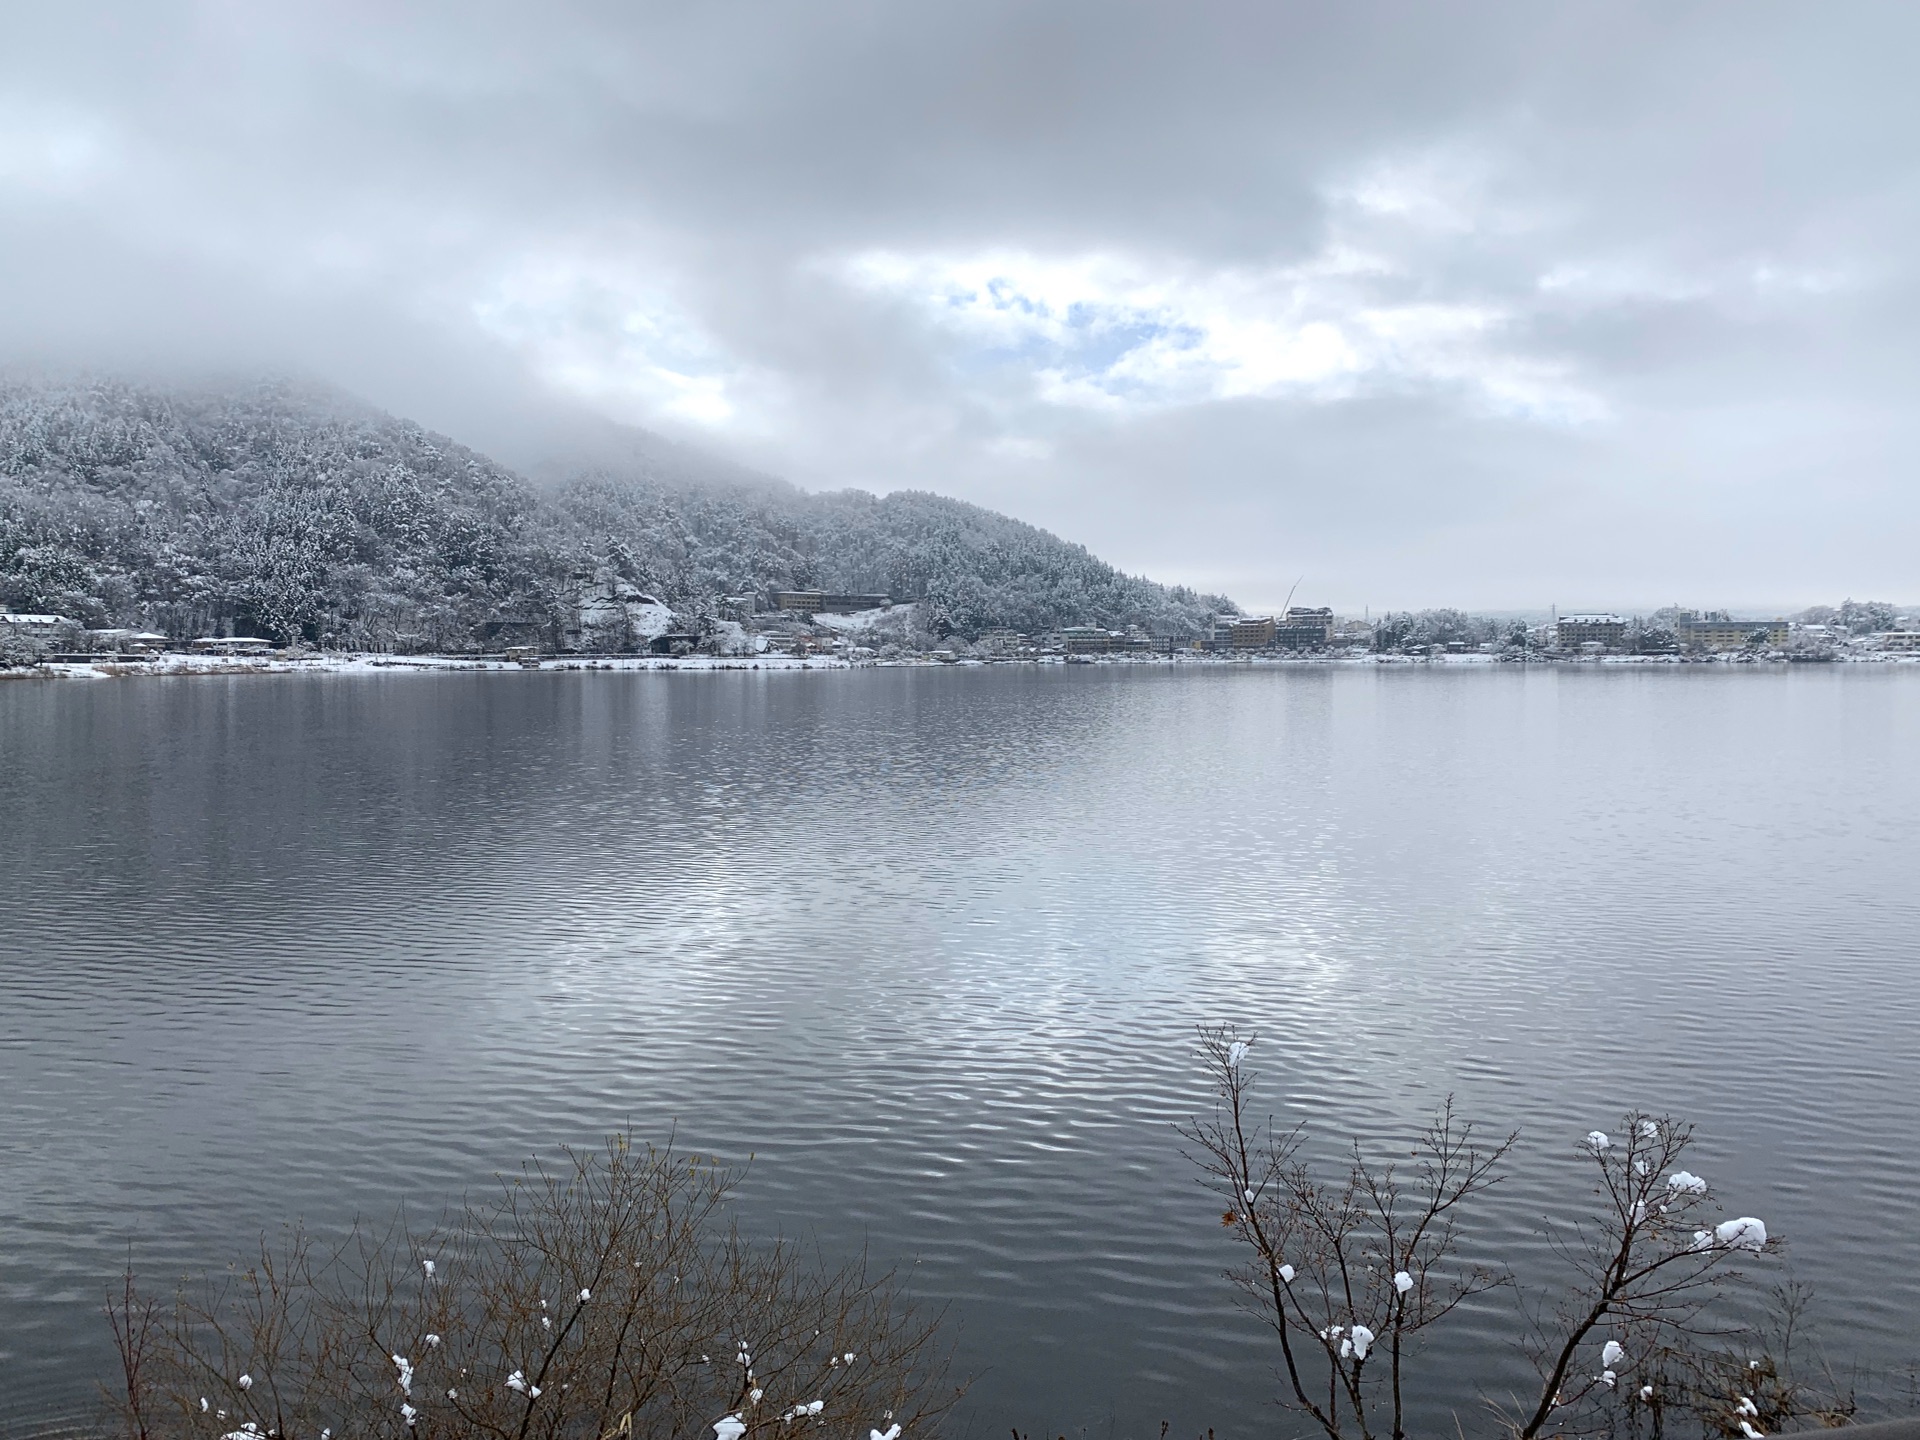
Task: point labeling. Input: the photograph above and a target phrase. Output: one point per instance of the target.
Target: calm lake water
(931, 946)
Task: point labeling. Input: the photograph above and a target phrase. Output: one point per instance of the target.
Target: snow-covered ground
(413, 664)
(870, 627)
(361, 664)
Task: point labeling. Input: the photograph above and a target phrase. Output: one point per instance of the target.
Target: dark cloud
(1488, 304)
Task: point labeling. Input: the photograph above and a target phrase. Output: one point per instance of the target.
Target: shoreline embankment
(171, 664)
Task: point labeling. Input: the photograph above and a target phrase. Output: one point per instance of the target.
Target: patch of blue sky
(1104, 345)
(998, 294)
(1004, 294)
(1094, 341)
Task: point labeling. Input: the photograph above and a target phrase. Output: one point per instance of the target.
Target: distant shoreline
(379, 664)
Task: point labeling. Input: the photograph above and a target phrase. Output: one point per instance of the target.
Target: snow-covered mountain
(297, 512)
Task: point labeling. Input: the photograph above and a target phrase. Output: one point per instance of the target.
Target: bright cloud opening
(611, 339)
(1104, 332)
(51, 152)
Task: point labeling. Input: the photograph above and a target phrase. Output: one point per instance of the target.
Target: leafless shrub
(1647, 1278)
(1348, 1272)
(1759, 1380)
(609, 1297)
(1345, 1273)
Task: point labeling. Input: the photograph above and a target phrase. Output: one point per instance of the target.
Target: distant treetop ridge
(302, 515)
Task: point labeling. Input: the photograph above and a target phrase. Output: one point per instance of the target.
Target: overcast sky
(1497, 306)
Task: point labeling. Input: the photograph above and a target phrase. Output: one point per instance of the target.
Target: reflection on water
(929, 946)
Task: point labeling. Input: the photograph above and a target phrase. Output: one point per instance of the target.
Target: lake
(930, 945)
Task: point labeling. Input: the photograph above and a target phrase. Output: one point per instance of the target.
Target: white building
(33, 624)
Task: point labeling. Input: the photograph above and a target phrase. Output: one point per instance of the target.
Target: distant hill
(301, 513)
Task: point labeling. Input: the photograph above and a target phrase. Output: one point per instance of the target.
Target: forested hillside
(302, 514)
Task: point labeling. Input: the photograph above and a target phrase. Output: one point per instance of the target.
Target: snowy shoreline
(376, 664)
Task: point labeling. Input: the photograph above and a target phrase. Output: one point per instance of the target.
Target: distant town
(612, 619)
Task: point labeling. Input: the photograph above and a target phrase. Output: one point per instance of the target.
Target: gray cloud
(1490, 305)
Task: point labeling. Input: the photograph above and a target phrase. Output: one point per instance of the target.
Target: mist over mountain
(298, 512)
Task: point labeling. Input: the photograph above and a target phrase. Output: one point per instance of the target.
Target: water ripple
(929, 947)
